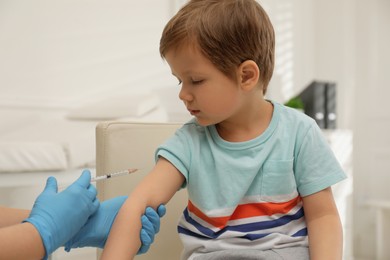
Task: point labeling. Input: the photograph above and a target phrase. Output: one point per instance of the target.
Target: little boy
(258, 174)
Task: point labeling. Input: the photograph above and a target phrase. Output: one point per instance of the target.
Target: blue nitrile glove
(150, 227)
(96, 230)
(59, 216)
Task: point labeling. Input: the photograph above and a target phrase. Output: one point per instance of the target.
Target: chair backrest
(123, 145)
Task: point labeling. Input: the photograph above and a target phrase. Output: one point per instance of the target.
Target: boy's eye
(197, 82)
(179, 82)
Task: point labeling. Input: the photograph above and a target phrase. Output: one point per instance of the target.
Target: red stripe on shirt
(246, 211)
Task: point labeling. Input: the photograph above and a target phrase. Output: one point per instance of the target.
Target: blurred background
(66, 65)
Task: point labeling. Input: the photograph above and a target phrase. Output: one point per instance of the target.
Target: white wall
(372, 123)
(295, 56)
(314, 41)
(335, 52)
(62, 52)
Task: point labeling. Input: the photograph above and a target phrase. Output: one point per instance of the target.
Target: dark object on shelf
(319, 99)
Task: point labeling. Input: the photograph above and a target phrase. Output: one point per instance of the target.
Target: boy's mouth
(193, 112)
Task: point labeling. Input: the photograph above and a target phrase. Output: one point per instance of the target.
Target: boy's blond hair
(227, 32)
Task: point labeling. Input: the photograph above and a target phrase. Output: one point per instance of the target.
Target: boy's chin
(203, 122)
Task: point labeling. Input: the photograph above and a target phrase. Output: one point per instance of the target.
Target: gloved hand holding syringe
(75, 218)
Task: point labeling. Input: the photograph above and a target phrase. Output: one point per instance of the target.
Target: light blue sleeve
(316, 168)
(177, 151)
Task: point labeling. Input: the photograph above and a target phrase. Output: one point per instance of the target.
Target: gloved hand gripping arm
(96, 230)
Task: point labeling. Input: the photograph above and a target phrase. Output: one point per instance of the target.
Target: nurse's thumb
(51, 185)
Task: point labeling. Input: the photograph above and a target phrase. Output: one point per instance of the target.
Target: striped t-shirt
(248, 194)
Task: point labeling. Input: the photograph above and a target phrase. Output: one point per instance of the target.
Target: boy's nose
(185, 95)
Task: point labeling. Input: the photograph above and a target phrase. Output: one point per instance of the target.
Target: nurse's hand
(96, 230)
(150, 227)
(59, 216)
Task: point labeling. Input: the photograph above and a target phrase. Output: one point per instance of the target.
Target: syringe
(105, 177)
(112, 175)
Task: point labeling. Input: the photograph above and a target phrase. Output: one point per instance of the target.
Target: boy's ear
(248, 73)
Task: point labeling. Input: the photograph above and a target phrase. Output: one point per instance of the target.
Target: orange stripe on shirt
(246, 211)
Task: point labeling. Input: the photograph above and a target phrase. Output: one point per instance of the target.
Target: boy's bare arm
(158, 187)
(10, 216)
(324, 226)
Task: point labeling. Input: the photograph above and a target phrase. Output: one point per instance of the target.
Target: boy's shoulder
(292, 116)
(291, 112)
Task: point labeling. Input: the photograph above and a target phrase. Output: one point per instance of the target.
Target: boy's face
(208, 94)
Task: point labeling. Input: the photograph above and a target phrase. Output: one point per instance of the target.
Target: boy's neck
(249, 126)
